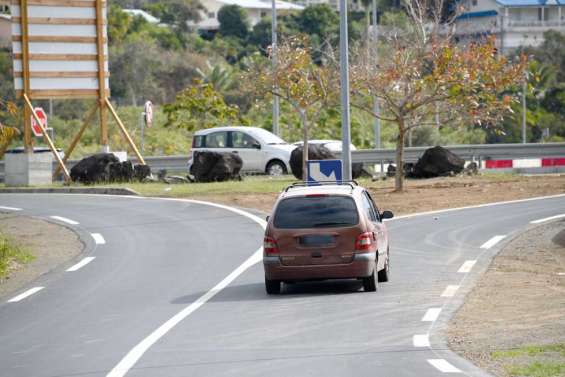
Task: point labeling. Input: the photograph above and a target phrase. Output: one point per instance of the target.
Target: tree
(426, 75)
(296, 79)
(200, 106)
(7, 134)
(176, 12)
(233, 21)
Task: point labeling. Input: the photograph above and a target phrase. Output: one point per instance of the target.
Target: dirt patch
(519, 302)
(429, 194)
(50, 244)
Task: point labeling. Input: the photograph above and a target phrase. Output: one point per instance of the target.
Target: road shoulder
(51, 244)
(518, 303)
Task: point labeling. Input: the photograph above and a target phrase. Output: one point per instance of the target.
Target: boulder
(216, 167)
(140, 172)
(94, 168)
(437, 162)
(319, 152)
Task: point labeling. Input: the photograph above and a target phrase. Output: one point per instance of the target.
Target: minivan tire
(273, 287)
(275, 168)
(384, 274)
(370, 283)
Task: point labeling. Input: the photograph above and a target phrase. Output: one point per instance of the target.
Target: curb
(70, 190)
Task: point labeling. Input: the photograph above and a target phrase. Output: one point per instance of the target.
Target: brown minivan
(328, 231)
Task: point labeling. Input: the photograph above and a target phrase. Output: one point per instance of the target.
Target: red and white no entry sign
(36, 128)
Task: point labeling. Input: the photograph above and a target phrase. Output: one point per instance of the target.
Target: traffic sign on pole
(324, 171)
(35, 127)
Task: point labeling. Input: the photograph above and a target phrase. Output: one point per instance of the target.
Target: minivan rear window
(329, 211)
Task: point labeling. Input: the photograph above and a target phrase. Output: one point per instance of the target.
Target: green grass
(539, 369)
(10, 252)
(534, 360)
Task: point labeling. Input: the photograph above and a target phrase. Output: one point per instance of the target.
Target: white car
(260, 150)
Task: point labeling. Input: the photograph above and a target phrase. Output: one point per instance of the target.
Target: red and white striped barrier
(523, 163)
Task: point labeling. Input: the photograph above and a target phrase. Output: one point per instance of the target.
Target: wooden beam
(64, 93)
(55, 21)
(76, 139)
(102, 96)
(125, 132)
(58, 75)
(28, 140)
(56, 39)
(60, 57)
(59, 3)
(48, 139)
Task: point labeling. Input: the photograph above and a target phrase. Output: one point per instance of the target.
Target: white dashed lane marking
(431, 315)
(421, 340)
(27, 293)
(10, 208)
(467, 266)
(81, 264)
(443, 366)
(493, 241)
(65, 220)
(98, 238)
(539, 221)
(450, 291)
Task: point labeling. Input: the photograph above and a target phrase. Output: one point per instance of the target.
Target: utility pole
(276, 129)
(524, 109)
(344, 79)
(377, 127)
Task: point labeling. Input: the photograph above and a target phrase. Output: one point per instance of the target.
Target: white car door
(249, 149)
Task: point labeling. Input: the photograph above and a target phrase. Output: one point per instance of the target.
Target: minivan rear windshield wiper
(330, 224)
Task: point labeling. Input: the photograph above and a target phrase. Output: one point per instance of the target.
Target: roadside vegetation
(11, 255)
(533, 360)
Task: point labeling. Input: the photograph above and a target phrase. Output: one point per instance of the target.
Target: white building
(256, 10)
(514, 23)
(143, 14)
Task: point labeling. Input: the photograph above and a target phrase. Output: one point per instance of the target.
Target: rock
(319, 152)
(161, 174)
(471, 169)
(94, 168)
(437, 162)
(216, 167)
(176, 179)
(140, 172)
(120, 171)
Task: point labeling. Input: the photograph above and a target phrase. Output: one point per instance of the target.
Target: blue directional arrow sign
(324, 171)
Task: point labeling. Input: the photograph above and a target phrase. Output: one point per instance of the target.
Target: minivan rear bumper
(361, 266)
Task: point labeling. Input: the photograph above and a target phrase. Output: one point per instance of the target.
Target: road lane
(161, 256)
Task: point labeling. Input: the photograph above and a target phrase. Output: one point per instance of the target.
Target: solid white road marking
(421, 340)
(467, 266)
(493, 241)
(539, 221)
(27, 293)
(10, 208)
(431, 315)
(98, 238)
(443, 366)
(64, 219)
(80, 264)
(450, 291)
(135, 354)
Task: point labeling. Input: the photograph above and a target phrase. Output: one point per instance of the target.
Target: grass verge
(11, 255)
(533, 360)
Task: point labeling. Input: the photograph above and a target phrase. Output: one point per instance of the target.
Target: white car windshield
(267, 137)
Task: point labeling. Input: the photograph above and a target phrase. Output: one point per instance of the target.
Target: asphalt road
(143, 303)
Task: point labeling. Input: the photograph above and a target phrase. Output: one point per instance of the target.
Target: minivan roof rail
(351, 183)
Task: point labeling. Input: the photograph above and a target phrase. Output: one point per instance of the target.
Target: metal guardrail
(477, 152)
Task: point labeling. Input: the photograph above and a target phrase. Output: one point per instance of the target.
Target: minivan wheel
(384, 274)
(275, 168)
(370, 283)
(272, 287)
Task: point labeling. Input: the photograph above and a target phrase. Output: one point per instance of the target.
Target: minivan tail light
(364, 241)
(270, 245)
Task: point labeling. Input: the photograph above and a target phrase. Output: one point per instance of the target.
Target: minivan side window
(368, 207)
(375, 208)
(217, 140)
(242, 140)
(199, 141)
